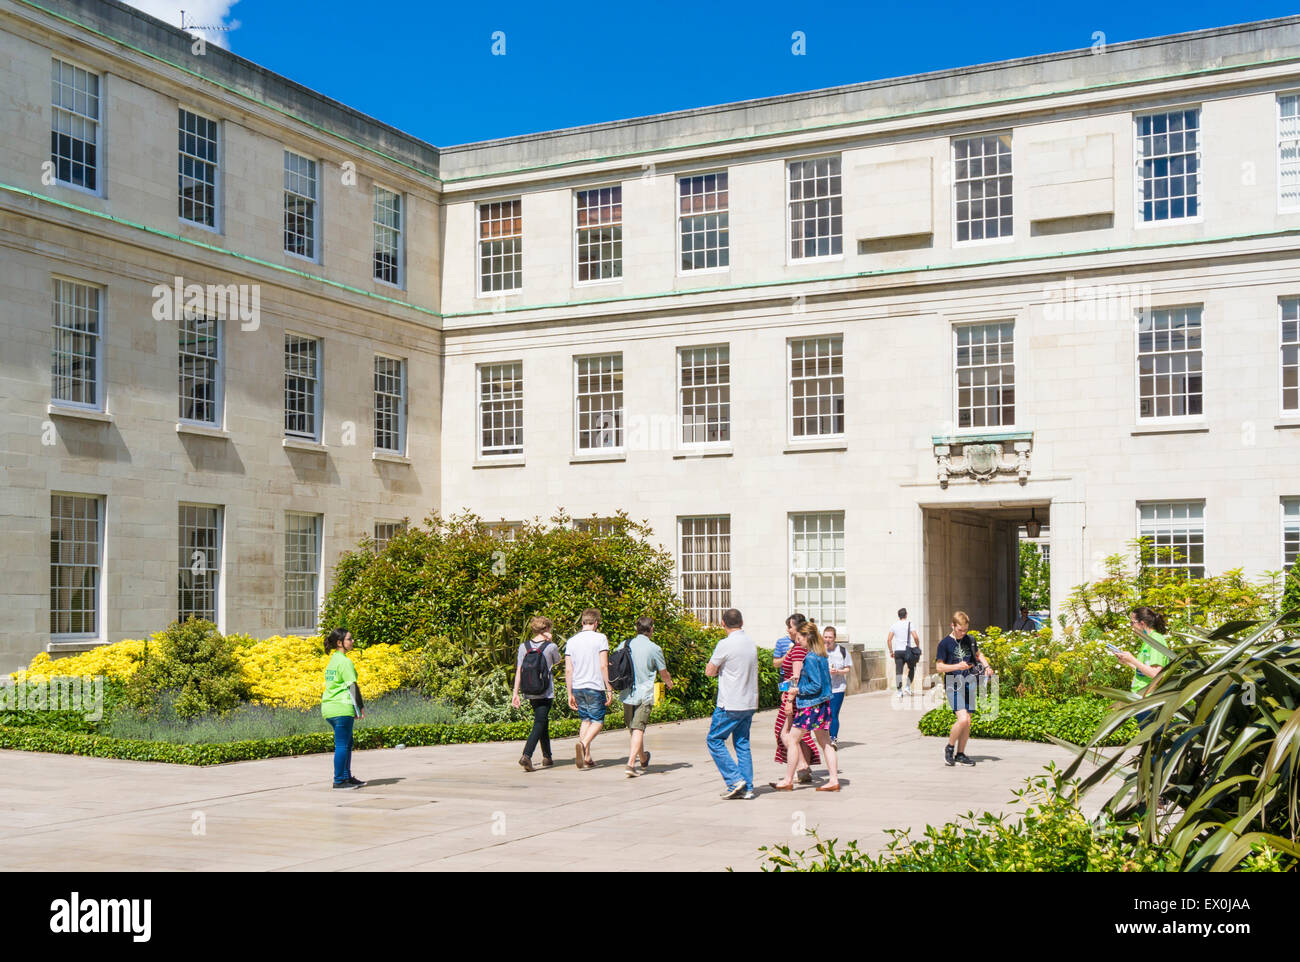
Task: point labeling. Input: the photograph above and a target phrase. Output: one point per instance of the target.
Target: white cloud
(203, 13)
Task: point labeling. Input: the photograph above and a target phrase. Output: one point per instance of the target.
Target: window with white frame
(705, 393)
(200, 369)
(1290, 308)
(1170, 379)
(74, 126)
(702, 222)
(1169, 165)
(1288, 152)
(817, 387)
(302, 564)
(300, 196)
(985, 374)
(197, 173)
(815, 208)
(500, 246)
(505, 530)
(596, 526)
(386, 531)
(388, 236)
(198, 562)
(390, 404)
(78, 345)
(598, 401)
(1176, 531)
(1290, 532)
(302, 387)
(501, 409)
(76, 560)
(599, 227)
(982, 187)
(705, 567)
(817, 574)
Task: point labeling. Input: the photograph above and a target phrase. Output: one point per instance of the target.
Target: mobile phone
(1112, 649)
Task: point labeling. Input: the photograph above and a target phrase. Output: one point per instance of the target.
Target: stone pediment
(983, 457)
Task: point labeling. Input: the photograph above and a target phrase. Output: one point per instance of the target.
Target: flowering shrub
(1053, 663)
(117, 661)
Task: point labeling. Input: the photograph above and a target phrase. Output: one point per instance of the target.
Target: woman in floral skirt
(807, 754)
(811, 711)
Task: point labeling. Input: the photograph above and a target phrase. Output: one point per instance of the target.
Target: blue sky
(428, 68)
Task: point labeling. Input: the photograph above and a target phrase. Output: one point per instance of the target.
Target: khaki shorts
(636, 717)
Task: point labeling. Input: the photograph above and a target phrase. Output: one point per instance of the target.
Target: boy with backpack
(632, 669)
(533, 667)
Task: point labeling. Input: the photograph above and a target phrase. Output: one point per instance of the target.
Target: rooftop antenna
(195, 26)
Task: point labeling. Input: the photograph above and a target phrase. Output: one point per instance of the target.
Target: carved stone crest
(983, 458)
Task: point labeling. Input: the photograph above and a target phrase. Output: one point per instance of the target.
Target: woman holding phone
(1150, 627)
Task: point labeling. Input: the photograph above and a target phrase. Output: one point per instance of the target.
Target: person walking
(341, 704)
(961, 663)
(782, 645)
(534, 667)
(1024, 622)
(904, 644)
(586, 675)
(807, 754)
(840, 666)
(810, 692)
(735, 664)
(647, 659)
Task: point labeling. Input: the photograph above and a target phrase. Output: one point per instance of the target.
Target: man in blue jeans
(735, 665)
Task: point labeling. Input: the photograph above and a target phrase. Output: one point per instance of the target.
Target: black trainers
(347, 785)
(948, 755)
(964, 759)
(355, 782)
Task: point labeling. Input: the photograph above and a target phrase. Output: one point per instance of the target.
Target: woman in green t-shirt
(341, 704)
(1150, 627)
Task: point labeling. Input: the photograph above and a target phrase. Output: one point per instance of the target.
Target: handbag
(912, 652)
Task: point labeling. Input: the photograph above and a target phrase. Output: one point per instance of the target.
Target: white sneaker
(907, 690)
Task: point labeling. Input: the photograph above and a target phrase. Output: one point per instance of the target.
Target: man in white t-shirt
(586, 675)
(735, 665)
(905, 645)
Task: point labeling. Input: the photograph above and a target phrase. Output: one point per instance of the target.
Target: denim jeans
(342, 725)
(733, 725)
(539, 734)
(837, 702)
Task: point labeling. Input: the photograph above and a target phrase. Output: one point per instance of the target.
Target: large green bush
(1056, 663)
(195, 666)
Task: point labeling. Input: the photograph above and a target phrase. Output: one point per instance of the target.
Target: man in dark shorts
(961, 663)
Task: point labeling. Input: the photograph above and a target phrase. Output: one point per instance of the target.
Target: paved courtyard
(470, 807)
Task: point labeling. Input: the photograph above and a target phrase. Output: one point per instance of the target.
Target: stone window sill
(808, 448)
(79, 414)
(202, 431)
(302, 444)
(506, 462)
(1194, 427)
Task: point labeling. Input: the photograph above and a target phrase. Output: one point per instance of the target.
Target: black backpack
(622, 673)
(535, 673)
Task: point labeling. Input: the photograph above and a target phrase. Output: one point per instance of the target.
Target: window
(78, 345)
(985, 374)
(301, 570)
(1169, 165)
(299, 205)
(982, 187)
(1177, 534)
(500, 247)
(75, 561)
(816, 208)
(702, 222)
(597, 527)
(1291, 354)
(501, 409)
(599, 234)
(388, 236)
(198, 562)
(1169, 363)
(706, 567)
(197, 160)
(599, 401)
(705, 394)
(505, 530)
(74, 126)
(301, 387)
(1290, 532)
(386, 531)
(390, 404)
(817, 387)
(817, 586)
(200, 370)
(1288, 152)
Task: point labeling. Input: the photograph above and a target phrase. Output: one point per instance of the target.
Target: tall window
(985, 374)
(198, 562)
(598, 401)
(1290, 532)
(599, 233)
(1291, 354)
(982, 187)
(74, 126)
(388, 236)
(500, 246)
(301, 570)
(78, 345)
(390, 404)
(200, 369)
(75, 562)
(501, 409)
(597, 527)
(300, 205)
(1177, 534)
(1169, 165)
(1169, 363)
(702, 222)
(817, 580)
(386, 531)
(705, 394)
(505, 530)
(817, 387)
(197, 161)
(302, 387)
(706, 567)
(1288, 152)
(815, 208)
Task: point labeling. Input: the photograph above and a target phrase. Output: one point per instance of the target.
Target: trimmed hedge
(1032, 719)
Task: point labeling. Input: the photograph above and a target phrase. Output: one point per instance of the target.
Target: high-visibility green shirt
(339, 674)
(1149, 656)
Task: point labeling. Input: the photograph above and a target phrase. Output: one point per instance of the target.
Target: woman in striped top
(798, 651)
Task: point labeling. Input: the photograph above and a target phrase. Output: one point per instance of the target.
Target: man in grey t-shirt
(735, 665)
(647, 659)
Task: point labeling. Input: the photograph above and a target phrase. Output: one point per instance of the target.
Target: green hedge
(1032, 719)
